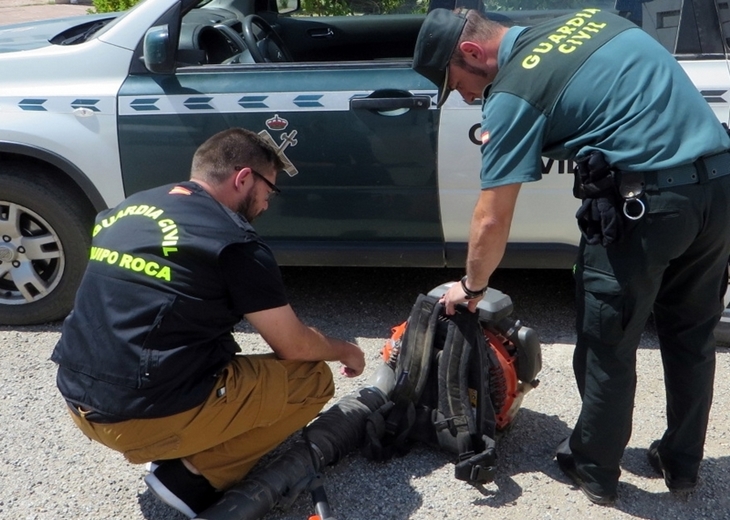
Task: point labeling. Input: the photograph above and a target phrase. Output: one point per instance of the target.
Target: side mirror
(159, 50)
(287, 6)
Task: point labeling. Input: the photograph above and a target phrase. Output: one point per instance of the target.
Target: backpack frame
(459, 381)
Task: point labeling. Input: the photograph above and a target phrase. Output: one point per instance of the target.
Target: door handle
(326, 32)
(390, 103)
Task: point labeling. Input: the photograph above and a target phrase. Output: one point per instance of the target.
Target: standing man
(653, 167)
(147, 360)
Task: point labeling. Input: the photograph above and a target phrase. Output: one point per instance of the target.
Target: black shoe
(567, 466)
(675, 483)
(177, 487)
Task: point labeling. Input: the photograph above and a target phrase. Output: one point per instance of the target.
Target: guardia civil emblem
(278, 124)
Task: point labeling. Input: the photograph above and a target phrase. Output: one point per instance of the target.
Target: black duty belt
(702, 170)
(611, 196)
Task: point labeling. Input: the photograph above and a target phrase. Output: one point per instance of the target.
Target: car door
(544, 233)
(357, 128)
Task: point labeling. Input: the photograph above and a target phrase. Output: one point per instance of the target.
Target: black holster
(599, 217)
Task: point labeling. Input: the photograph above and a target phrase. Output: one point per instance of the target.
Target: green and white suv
(97, 107)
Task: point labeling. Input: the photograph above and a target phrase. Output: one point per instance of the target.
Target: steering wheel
(237, 43)
(268, 46)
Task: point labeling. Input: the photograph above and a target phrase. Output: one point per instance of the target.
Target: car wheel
(44, 243)
(722, 331)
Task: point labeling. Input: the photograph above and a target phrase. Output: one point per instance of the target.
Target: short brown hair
(217, 158)
(478, 28)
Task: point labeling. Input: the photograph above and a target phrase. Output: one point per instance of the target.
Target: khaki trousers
(257, 402)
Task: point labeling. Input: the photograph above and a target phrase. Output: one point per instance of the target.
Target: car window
(682, 27)
(306, 31)
(356, 7)
(724, 20)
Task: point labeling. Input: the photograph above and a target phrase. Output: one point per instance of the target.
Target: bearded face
(247, 208)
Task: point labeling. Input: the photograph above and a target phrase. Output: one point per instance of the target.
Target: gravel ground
(49, 470)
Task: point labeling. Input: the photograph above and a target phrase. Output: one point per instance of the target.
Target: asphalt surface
(49, 470)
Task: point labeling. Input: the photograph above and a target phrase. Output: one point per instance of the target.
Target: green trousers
(672, 263)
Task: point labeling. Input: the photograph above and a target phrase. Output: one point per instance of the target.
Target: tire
(45, 235)
(722, 331)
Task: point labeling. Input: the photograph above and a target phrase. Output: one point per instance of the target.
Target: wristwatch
(470, 295)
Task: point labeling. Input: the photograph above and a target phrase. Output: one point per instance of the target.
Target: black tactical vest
(152, 321)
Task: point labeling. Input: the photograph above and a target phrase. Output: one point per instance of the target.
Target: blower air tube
(335, 433)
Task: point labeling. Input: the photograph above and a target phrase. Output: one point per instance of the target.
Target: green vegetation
(111, 6)
(360, 7)
(530, 5)
(363, 7)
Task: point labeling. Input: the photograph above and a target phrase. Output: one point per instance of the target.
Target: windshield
(111, 23)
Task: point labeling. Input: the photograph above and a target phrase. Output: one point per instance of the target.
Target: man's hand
(456, 295)
(353, 363)
(289, 338)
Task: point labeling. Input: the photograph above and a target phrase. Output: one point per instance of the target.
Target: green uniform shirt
(628, 98)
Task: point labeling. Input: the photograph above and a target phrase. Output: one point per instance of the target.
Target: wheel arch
(47, 204)
(78, 182)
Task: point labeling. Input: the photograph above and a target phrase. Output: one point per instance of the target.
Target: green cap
(436, 44)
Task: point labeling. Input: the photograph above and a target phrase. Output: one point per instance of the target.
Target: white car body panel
(459, 185)
(49, 129)
(712, 79)
(94, 70)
